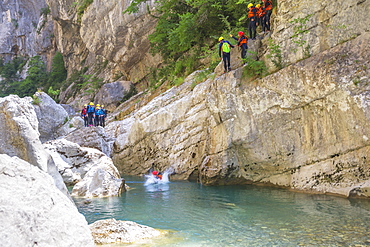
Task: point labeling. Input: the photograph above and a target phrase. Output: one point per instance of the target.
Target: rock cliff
(327, 25)
(305, 127)
(104, 38)
(26, 29)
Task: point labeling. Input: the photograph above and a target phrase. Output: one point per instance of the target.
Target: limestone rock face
(34, 212)
(305, 127)
(116, 231)
(111, 94)
(51, 116)
(92, 173)
(328, 26)
(105, 35)
(24, 31)
(20, 136)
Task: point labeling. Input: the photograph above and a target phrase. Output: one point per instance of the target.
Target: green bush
(254, 68)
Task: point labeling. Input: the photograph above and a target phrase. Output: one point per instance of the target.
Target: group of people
(257, 15)
(93, 115)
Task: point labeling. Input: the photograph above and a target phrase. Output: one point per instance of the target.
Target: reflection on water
(236, 215)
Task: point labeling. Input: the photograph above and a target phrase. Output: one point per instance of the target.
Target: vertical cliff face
(305, 127)
(25, 29)
(104, 39)
(328, 24)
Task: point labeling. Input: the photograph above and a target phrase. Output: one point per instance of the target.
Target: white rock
(20, 136)
(92, 173)
(33, 212)
(113, 231)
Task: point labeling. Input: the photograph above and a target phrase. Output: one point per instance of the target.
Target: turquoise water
(236, 215)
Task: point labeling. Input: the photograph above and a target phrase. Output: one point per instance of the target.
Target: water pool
(236, 215)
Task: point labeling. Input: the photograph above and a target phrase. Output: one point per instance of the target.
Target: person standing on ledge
(252, 16)
(242, 43)
(224, 53)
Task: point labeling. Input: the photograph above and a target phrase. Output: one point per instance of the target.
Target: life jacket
(260, 12)
(225, 47)
(90, 109)
(269, 6)
(83, 112)
(104, 112)
(252, 12)
(242, 40)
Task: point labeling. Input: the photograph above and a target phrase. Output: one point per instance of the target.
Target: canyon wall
(305, 127)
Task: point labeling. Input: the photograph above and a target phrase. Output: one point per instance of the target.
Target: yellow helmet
(85, 104)
(91, 103)
(258, 6)
(102, 106)
(97, 105)
(221, 38)
(250, 5)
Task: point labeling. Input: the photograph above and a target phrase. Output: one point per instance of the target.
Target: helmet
(250, 5)
(85, 104)
(258, 6)
(91, 103)
(97, 105)
(102, 106)
(155, 173)
(240, 33)
(221, 38)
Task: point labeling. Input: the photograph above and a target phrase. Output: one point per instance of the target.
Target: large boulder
(92, 173)
(20, 136)
(33, 212)
(112, 94)
(113, 231)
(51, 116)
(92, 137)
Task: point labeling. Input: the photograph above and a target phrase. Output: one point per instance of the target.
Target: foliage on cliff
(188, 30)
(37, 75)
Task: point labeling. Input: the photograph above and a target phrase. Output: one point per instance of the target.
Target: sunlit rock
(92, 173)
(114, 231)
(20, 136)
(33, 212)
(51, 116)
(92, 137)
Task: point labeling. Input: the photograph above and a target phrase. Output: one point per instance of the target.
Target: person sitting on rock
(91, 113)
(84, 115)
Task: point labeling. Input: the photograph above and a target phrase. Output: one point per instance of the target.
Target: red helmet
(155, 173)
(240, 33)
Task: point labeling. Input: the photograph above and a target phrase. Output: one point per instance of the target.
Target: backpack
(225, 47)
